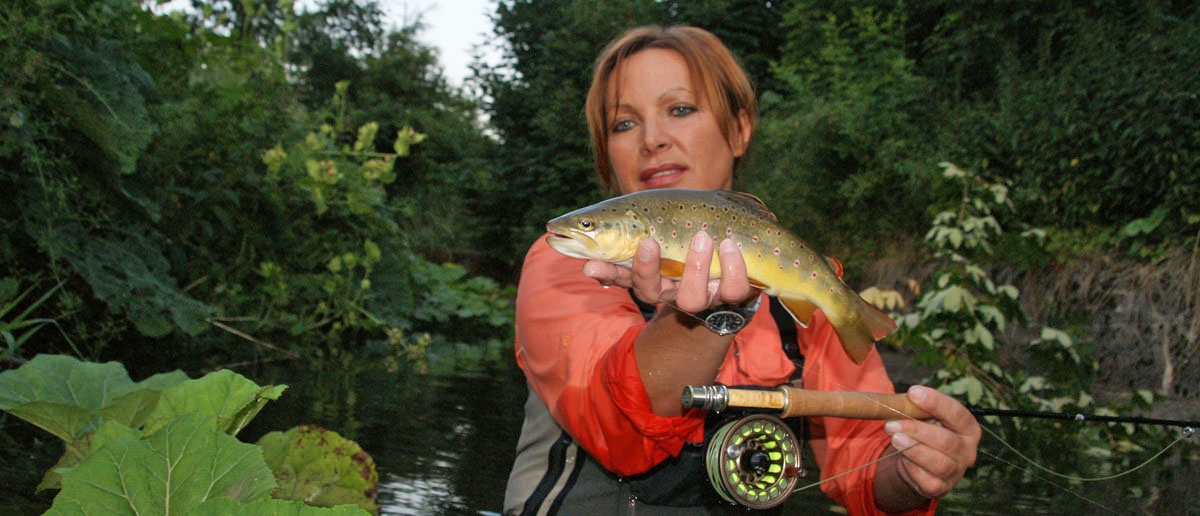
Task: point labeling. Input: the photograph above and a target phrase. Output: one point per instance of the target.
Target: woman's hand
(934, 454)
(694, 290)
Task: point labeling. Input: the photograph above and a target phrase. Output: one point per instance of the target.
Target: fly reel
(754, 461)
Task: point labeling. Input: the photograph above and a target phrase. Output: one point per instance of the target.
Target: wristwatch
(729, 318)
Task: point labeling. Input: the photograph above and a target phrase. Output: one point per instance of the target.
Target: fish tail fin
(866, 325)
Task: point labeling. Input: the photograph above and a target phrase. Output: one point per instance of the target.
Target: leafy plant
(19, 328)
(320, 467)
(162, 446)
(961, 320)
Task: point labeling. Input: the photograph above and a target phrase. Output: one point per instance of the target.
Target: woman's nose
(654, 139)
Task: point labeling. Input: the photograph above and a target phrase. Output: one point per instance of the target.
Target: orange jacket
(574, 341)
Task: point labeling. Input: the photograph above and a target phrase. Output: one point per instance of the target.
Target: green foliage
(271, 507)
(171, 471)
(843, 139)
(179, 172)
(961, 319)
(164, 445)
(1089, 108)
(320, 467)
(16, 329)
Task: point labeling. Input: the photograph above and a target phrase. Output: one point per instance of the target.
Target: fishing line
(1183, 435)
(1188, 432)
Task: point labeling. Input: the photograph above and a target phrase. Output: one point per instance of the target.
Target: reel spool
(754, 461)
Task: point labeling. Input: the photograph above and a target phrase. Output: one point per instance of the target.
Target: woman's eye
(682, 110)
(622, 125)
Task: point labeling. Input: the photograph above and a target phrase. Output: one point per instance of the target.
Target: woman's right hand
(694, 290)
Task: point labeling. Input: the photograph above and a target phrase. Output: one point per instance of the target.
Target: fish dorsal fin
(750, 202)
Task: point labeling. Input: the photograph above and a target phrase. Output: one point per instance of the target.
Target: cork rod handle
(854, 405)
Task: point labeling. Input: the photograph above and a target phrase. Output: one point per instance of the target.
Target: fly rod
(787, 401)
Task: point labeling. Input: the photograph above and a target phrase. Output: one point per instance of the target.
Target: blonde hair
(722, 82)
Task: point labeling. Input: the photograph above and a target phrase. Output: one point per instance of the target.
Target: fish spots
(754, 238)
(652, 230)
(728, 231)
(718, 216)
(674, 220)
(814, 274)
(793, 245)
(688, 223)
(704, 226)
(660, 219)
(776, 251)
(796, 263)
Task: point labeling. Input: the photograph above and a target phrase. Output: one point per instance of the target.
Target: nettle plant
(959, 325)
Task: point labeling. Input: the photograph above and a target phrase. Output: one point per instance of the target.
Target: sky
(451, 26)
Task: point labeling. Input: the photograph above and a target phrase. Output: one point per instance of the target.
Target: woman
(604, 431)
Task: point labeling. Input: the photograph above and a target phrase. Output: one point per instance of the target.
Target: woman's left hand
(935, 454)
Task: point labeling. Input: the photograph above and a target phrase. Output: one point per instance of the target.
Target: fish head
(598, 232)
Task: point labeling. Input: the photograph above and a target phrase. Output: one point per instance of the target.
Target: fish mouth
(575, 247)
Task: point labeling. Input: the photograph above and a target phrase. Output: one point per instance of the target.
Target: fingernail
(644, 251)
(891, 427)
(917, 392)
(727, 246)
(699, 241)
(902, 441)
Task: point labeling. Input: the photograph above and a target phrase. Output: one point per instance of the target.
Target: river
(443, 444)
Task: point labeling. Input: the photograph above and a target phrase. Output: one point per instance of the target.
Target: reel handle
(789, 401)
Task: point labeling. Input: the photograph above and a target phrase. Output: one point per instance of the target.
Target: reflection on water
(444, 445)
(441, 444)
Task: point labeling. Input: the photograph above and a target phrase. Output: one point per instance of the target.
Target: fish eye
(586, 223)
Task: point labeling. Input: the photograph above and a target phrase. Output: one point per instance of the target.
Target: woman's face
(661, 134)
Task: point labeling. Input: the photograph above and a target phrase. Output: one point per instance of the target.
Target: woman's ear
(739, 139)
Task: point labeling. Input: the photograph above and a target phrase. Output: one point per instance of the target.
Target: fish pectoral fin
(670, 268)
(801, 309)
(757, 284)
(834, 264)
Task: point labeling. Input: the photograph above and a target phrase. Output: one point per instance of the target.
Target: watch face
(725, 322)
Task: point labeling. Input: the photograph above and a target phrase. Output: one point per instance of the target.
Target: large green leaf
(230, 397)
(271, 507)
(61, 394)
(171, 472)
(320, 467)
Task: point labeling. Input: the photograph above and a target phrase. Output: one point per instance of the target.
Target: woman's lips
(663, 174)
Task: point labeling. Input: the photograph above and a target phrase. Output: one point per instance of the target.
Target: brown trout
(777, 261)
